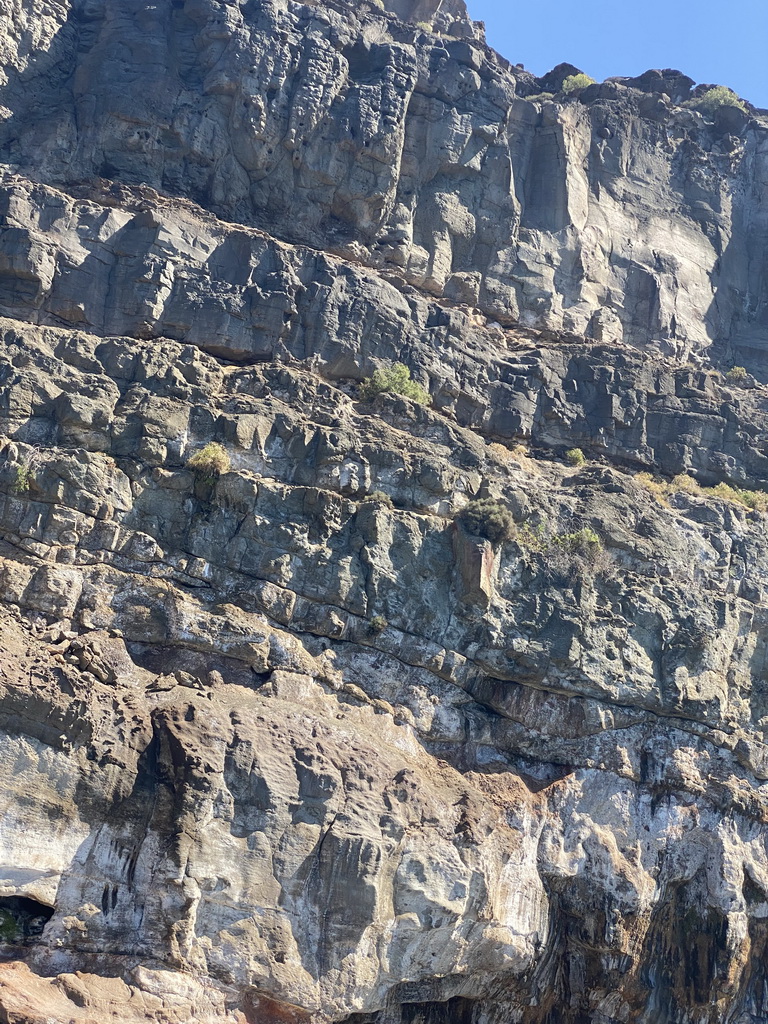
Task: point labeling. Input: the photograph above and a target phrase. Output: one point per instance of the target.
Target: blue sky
(723, 42)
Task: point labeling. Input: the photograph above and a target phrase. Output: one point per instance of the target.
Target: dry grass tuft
(210, 462)
(684, 484)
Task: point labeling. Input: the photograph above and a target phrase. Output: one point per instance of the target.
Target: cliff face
(285, 742)
(341, 126)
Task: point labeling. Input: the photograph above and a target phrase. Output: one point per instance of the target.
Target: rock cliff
(283, 740)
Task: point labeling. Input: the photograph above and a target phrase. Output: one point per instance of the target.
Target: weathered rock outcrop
(282, 742)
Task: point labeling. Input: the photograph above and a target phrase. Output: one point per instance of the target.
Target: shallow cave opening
(452, 1011)
(22, 919)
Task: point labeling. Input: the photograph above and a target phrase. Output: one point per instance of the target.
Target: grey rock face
(240, 295)
(280, 748)
(350, 129)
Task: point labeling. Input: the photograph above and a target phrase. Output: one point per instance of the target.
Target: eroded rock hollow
(285, 737)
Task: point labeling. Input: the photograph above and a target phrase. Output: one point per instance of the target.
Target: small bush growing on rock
(500, 451)
(575, 457)
(682, 483)
(23, 474)
(579, 553)
(575, 82)
(395, 379)
(737, 375)
(210, 462)
(713, 99)
(658, 488)
(21, 479)
(378, 624)
(583, 542)
(381, 497)
(505, 455)
(487, 518)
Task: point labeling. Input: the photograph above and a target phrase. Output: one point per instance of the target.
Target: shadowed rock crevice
(22, 920)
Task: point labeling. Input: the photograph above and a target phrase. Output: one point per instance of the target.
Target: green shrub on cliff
(575, 82)
(736, 376)
(579, 554)
(395, 379)
(487, 518)
(21, 479)
(9, 929)
(757, 500)
(684, 484)
(713, 99)
(23, 474)
(582, 542)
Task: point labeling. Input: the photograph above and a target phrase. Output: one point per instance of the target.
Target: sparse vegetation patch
(684, 484)
(578, 552)
(504, 455)
(381, 497)
(21, 479)
(533, 538)
(24, 473)
(739, 496)
(582, 542)
(9, 928)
